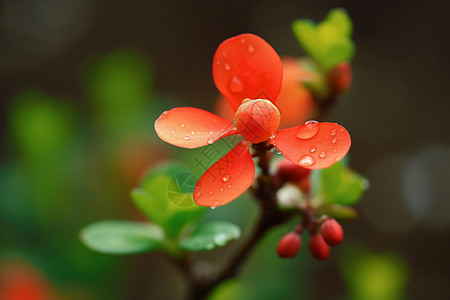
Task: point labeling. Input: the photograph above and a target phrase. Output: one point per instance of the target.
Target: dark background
(397, 110)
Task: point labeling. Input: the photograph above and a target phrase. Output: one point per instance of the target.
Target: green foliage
(210, 235)
(328, 43)
(166, 201)
(165, 197)
(341, 185)
(122, 237)
(374, 276)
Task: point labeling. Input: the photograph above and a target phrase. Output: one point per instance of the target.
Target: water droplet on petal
(242, 40)
(211, 140)
(235, 85)
(229, 186)
(251, 49)
(313, 149)
(308, 130)
(218, 62)
(163, 116)
(173, 131)
(273, 135)
(278, 152)
(186, 138)
(193, 132)
(224, 54)
(221, 189)
(213, 207)
(333, 132)
(226, 66)
(334, 141)
(341, 130)
(334, 150)
(182, 125)
(210, 132)
(306, 161)
(322, 154)
(226, 178)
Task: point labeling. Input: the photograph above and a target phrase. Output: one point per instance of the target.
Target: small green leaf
(165, 197)
(337, 211)
(340, 19)
(122, 237)
(328, 43)
(210, 235)
(341, 185)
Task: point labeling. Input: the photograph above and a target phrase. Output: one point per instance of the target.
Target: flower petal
(313, 145)
(227, 179)
(246, 66)
(189, 127)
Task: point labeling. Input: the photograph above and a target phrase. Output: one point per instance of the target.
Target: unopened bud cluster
(330, 234)
(325, 232)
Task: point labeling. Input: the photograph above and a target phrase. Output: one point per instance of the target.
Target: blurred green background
(83, 81)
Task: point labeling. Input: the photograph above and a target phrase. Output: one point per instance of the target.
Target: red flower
(248, 72)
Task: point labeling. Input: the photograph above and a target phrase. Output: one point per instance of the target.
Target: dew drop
(226, 66)
(334, 150)
(173, 131)
(193, 132)
(213, 207)
(229, 186)
(341, 130)
(273, 135)
(163, 116)
(251, 48)
(221, 189)
(306, 161)
(313, 149)
(211, 140)
(278, 152)
(322, 154)
(235, 85)
(186, 138)
(182, 125)
(334, 141)
(218, 62)
(333, 132)
(226, 178)
(224, 54)
(242, 40)
(210, 132)
(308, 130)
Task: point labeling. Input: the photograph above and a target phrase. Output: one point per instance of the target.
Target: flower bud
(289, 245)
(332, 232)
(257, 120)
(340, 77)
(319, 249)
(288, 171)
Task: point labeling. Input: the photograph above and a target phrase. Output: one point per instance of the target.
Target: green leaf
(340, 19)
(328, 43)
(341, 185)
(210, 235)
(165, 197)
(337, 211)
(122, 237)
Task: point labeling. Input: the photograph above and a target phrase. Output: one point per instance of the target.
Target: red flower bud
(292, 172)
(289, 245)
(340, 77)
(257, 120)
(332, 232)
(318, 247)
